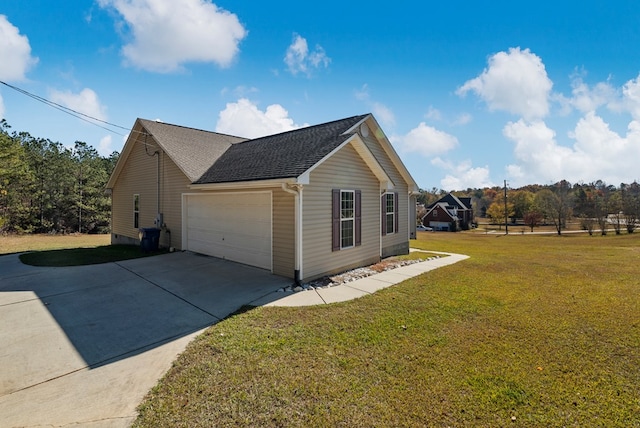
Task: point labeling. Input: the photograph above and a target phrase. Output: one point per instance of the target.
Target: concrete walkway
(364, 286)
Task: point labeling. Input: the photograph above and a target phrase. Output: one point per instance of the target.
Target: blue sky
(469, 93)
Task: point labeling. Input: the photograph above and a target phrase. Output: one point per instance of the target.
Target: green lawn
(19, 243)
(531, 331)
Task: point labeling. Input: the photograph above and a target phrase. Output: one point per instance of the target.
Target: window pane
(390, 223)
(390, 200)
(346, 233)
(347, 205)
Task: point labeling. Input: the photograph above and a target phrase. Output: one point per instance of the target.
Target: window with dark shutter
(346, 225)
(389, 213)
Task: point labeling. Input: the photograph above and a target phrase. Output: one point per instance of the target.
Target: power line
(78, 115)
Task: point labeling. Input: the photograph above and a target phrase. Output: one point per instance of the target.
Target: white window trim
(392, 213)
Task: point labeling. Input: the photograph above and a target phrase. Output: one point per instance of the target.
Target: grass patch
(10, 244)
(85, 256)
(543, 329)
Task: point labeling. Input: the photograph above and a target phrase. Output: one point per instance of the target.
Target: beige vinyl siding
(401, 237)
(283, 236)
(137, 177)
(172, 185)
(347, 171)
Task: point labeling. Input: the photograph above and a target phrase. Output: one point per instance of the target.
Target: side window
(390, 211)
(136, 211)
(346, 219)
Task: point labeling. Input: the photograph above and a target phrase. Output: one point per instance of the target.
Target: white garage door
(232, 226)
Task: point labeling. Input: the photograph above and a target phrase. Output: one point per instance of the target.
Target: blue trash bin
(149, 238)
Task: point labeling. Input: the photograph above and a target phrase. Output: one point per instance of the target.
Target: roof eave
(237, 185)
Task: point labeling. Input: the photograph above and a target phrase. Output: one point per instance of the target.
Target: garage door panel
(231, 226)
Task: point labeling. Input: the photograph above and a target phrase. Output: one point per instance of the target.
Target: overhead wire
(78, 115)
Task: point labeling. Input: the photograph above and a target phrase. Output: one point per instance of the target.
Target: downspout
(158, 186)
(297, 192)
(412, 213)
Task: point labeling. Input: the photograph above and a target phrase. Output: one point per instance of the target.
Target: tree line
(596, 205)
(46, 187)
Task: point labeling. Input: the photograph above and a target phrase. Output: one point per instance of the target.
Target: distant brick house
(450, 213)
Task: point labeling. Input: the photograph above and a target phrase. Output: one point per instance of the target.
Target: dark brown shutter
(358, 218)
(335, 219)
(383, 209)
(395, 211)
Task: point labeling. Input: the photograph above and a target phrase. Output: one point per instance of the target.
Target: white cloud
(433, 114)
(244, 119)
(363, 93)
(383, 114)
(463, 175)
(105, 146)
(300, 60)
(586, 99)
(1, 108)
(597, 152)
(515, 81)
(168, 33)
(463, 119)
(427, 141)
(631, 97)
(85, 102)
(15, 52)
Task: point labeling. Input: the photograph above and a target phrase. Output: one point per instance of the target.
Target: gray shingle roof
(284, 155)
(192, 150)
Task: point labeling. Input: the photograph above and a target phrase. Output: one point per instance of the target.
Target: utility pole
(506, 213)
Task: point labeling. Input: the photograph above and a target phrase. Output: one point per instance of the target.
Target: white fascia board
(366, 155)
(243, 184)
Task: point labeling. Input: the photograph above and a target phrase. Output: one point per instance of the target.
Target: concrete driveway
(82, 345)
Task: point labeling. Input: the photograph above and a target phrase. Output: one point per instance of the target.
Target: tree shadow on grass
(85, 256)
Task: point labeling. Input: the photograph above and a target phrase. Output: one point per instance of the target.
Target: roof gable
(443, 208)
(386, 145)
(192, 150)
(454, 201)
